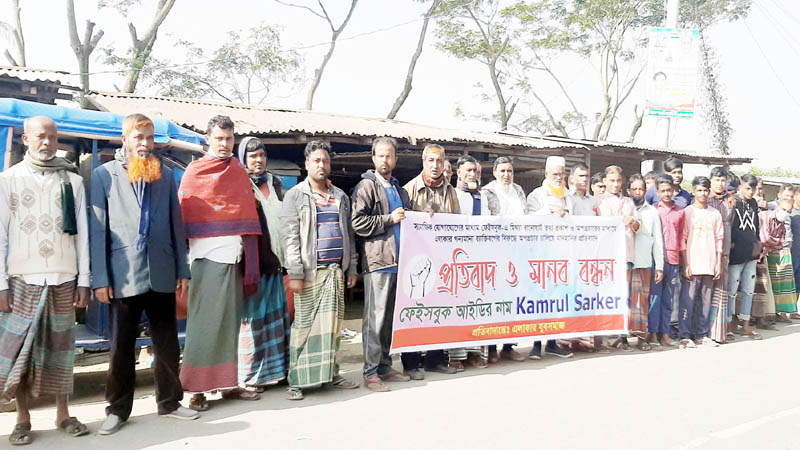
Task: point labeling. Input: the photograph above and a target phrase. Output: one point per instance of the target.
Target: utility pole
(663, 124)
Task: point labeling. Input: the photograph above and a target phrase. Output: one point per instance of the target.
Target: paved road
(738, 396)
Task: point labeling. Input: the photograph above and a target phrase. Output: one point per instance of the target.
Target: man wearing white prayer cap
(551, 198)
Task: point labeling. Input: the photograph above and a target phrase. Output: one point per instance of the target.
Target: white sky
(366, 72)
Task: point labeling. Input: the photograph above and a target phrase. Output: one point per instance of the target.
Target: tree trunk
(141, 49)
(83, 50)
(638, 124)
(498, 90)
(401, 99)
(20, 38)
(335, 32)
(556, 124)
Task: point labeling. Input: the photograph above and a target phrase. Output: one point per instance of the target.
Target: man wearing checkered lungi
(44, 275)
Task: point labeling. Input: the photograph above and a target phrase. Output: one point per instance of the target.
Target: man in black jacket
(379, 204)
(745, 253)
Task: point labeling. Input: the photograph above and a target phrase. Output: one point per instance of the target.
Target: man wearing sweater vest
(44, 275)
(138, 263)
(320, 250)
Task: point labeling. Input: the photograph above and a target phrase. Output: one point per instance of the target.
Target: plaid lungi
(318, 319)
(37, 349)
(640, 300)
(763, 298)
(264, 334)
(782, 277)
(718, 315)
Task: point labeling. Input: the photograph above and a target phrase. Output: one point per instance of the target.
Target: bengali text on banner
(474, 280)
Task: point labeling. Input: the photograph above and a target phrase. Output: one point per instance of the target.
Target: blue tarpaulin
(103, 125)
(4, 144)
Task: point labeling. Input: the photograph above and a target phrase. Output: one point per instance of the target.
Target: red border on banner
(467, 333)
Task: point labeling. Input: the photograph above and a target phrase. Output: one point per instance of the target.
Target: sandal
(73, 427)
(343, 383)
(621, 345)
(753, 335)
(198, 403)
(21, 434)
(458, 365)
(644, 346)
(294, 393)
(241, 394)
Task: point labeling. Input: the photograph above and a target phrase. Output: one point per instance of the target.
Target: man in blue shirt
(379, 204)
(674, 168)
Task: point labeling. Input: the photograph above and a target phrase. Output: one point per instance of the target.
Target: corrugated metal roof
(258, 120)
(711, 157)
(65, 79)
(779, 180)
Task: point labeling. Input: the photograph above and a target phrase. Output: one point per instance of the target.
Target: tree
(479, 30)
(14, 36)
(611, 33)
(543, 40)
(245, 69)
(715, 113)
(141, 49)
(401, 99)
(335, 32)
(82, 49)
(701, 15)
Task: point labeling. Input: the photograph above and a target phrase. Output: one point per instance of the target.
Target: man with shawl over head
(44, 275)
(264, 334)
(219, 214)
(138, 263)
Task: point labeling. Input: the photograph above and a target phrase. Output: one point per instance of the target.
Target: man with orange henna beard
(138, 263)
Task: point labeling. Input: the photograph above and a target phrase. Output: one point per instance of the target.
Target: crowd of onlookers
(231, 249)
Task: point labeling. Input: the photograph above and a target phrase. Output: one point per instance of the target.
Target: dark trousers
(124, 316)
(506, 348)
(693, 313)
(796, 268)
(414, 360)
(663, 297)
(379, 295)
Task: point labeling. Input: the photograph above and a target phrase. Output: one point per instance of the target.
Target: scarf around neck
(69, 222)
(433, 183)
(217, 199)
(461, 185)
(557, 192)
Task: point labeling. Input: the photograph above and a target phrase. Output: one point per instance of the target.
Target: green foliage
(244, 69)
(774, 172)
(701, 14)
(122, 6)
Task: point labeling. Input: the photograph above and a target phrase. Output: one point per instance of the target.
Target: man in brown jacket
(379, 205)
(430, 192)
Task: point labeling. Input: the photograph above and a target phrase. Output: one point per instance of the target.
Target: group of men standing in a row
(131, 250)
(250, 245)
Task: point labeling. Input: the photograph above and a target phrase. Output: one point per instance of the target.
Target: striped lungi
(210, 355)
(264, 334)
(318, 319)
(640, 300)
(37, 349)
(718, 315)
(763, 298)
(782, 277)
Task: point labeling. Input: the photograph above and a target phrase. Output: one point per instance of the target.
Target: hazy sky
(758, 59)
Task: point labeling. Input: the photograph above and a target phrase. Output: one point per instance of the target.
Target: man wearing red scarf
(221, 222)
